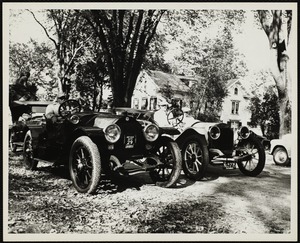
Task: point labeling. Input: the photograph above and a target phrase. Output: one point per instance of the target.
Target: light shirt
(52, 110)
(160, 117)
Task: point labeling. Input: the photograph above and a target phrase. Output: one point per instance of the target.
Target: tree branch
(263, 20)
(43, 27)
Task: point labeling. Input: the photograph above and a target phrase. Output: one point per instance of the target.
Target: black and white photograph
(150, 121)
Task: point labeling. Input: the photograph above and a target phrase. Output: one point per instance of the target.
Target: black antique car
(203, 143)
(23, 113)
(88, 142)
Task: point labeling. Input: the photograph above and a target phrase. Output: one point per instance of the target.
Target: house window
(236, 91)
(235, 107)
(153, 102)
(144, 103)
(136, 103)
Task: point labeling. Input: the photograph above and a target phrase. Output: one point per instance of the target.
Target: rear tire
(85, 165)
(29, 162)
(167, 173)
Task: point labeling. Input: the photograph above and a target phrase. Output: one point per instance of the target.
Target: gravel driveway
(223, 203)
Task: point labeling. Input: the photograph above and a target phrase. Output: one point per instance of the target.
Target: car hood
(102, 122)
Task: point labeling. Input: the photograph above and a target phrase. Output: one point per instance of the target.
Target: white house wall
(244, 113)
(145, 88)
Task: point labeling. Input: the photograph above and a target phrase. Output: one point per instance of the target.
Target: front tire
(195, 158)
(280, 156)
(166, 174)
(256, 163)
(29, 162)
(85, 165)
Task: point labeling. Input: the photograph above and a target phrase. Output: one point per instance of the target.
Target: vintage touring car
(91, 141)
(204, 143)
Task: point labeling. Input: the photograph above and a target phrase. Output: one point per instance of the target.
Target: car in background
(281, 150)
(265, 141)
(23, 113)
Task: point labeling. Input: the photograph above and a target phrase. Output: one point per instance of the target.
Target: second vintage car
(204, 143)
(88, 142)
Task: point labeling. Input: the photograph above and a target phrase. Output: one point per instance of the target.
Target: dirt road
(224, 202)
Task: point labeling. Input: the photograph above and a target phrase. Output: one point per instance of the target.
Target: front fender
(200, 132)
(95, 133)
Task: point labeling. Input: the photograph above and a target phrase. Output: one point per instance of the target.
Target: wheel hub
(193, 157)
(80, 166)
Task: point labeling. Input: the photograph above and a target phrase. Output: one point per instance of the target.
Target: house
(235, 105)
(153, 87)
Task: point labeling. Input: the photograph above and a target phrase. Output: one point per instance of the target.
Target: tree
(125, 36)
(154, 59)
(69, 37)
(211, 58)
(265, 113)
(30, 64)
(277, 25)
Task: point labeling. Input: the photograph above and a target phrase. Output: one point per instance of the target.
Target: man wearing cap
(160, 116)
(52, 109)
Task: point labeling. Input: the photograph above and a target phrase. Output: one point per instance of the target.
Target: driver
(52, 109)
(160, 116)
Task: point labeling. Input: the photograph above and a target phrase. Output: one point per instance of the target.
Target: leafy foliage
(36, 60)
(66, 30)
(265, 113)
(212, 58)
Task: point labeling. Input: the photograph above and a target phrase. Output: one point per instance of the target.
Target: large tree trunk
(279, 70)
(278, 36)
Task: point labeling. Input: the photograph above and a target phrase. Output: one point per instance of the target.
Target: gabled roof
(162, 79)
(232, 82)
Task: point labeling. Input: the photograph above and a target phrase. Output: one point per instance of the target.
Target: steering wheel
(175, 116)
(68, 108)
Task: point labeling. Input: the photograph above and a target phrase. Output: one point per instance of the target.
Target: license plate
(229, 165)
(129, 141)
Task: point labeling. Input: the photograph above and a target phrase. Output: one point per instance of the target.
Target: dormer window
(236, 91)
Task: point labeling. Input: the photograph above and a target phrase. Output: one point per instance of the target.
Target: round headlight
(214, 132)
(151, 132)
(244, 132)
(112, 133)
(74, 119)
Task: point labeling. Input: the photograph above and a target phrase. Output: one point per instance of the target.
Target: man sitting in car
(51, 112)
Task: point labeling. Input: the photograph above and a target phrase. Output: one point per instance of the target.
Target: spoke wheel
(256, 163)
(29, 162)
(175, 117)
(85, 165)
(167, 173)
(195, 158)
(280, 156)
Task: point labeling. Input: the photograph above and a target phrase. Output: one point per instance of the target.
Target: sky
(252, 42)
